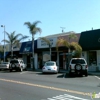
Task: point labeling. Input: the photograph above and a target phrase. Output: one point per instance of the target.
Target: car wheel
(13, 65)
(86, 74)
(78, 68)
(10, 70)
(70, 73)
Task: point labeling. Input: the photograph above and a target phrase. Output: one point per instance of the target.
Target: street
(29, 85)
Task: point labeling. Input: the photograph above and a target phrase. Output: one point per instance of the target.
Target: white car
(50, 67)
(4, 66)
(18, 65)
(78, 66)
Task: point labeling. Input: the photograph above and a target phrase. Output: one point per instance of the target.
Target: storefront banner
(42, 44)
(46, 56)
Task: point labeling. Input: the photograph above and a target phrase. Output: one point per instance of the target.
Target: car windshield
(75, 61)
(49, 64)
(14, 61)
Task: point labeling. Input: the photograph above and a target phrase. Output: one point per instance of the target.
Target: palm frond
(46, 40)
(62, 42)
(5, 41)
(72, 36)
(33, 27)
(14, 39)
(28, 24)
(36, 22)
(77, 48)
(23, 37)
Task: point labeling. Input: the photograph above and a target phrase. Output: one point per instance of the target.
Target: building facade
(88, 40)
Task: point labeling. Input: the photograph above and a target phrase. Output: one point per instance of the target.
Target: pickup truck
(4, 65)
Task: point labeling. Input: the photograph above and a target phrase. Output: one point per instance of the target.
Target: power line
(62, 28)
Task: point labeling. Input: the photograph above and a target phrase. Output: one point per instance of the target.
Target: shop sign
(42, 44)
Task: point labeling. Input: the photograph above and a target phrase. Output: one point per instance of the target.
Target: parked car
(78, 66)
(18, 65)
(4, 66)
(50, 67)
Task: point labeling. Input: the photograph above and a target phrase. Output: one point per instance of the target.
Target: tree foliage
(14, 39)
(71, 46)
(33, 27)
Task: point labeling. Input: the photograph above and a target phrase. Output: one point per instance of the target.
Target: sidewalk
(66, 71)
(89, 72)
(95, 73)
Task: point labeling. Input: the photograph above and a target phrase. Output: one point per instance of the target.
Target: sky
(73, 15)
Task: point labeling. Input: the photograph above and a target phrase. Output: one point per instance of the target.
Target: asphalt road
(30, 85)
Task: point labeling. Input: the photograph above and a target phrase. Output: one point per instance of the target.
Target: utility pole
(62, 29)
(4, 40)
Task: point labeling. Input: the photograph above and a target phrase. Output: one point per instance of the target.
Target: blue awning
(2, 55)
(26, 47)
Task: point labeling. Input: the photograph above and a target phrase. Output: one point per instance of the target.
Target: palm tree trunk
(68, 57)
(11, 51)
(33, 51)
(58, 59)
(50, 52)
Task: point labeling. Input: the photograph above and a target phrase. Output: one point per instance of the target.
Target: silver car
(50, 67)
(4, 66)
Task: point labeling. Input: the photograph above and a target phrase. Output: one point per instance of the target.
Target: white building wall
(90, 67)
(84, 55)
(24, 57)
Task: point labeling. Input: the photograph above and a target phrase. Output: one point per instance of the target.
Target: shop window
(92, 58)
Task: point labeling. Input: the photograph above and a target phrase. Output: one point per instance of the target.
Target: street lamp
(4, 40)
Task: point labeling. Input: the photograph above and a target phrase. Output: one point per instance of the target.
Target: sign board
(42, 44)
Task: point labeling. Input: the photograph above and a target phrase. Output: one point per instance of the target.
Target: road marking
(97, 77)
(65, 97)
(23, 72)
(46, 87)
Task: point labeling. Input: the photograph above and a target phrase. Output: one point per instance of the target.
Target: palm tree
(73, 47)
(72, 36)
(14, 39)
(48, 43)
(33, 31)
(77, 49)
(68, 43)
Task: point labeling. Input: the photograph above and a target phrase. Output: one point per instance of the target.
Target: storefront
(44, 51)
(26, 51)
(90, 42)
